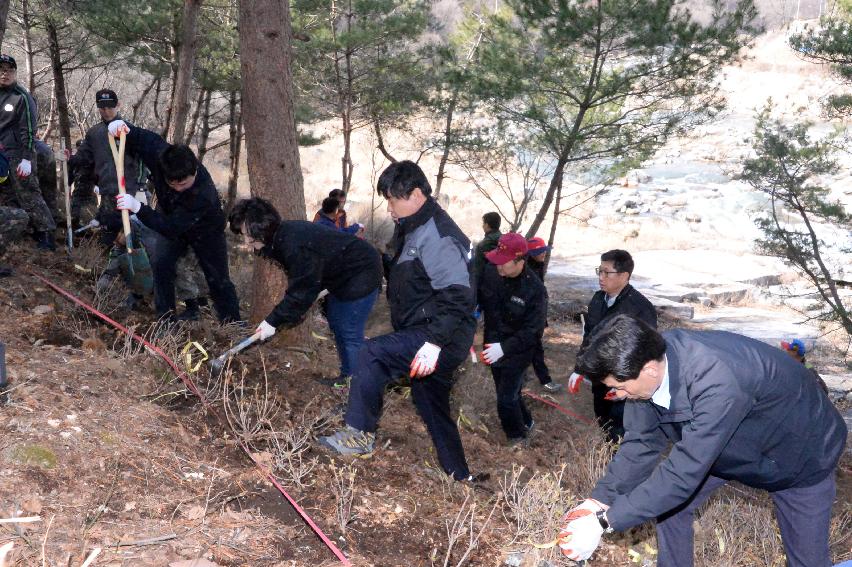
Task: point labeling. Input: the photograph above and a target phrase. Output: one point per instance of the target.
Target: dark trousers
(212, 255)
(387, 358)
(508, 376)
(347, 320)
(538, 364)
(803, 515)
(610, 415)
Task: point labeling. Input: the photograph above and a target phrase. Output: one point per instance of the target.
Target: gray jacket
(18, 122)
(94, 160)
(740, 410)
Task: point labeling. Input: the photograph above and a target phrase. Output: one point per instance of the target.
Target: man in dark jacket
(18, 122)
(514, 304)
(431, 305)
(93, 161)
(536, 256)
(188, 215)
(315, 258)
(615, 297)
(730, 408)
(491, 227)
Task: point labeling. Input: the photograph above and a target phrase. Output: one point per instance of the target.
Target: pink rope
(194, 389)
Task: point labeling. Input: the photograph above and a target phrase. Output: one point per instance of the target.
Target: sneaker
(530, 428)
(191, 313)
(518, 442)
(350, 441)
(552, 387)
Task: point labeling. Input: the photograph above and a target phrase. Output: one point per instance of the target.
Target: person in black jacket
(188, 215)
(514, 304)
(615, 297)
(431, 306)
(536, 257)
(315, 258)
(705, 408)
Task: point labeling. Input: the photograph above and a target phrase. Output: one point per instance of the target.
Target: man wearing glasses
(616, 297)
(17, 141)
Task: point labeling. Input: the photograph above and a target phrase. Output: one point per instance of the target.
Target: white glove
(492, 353)
(24, 168)
(97, 190)
(117, 127)
(425, 361)
(127, 202)
(265, 329)
(574, 382)
(579, 538)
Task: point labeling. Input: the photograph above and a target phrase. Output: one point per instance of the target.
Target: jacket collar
(426, 212)
(680, 408)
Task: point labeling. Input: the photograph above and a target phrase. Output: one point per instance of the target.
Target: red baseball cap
(536, 246)
(510, 246)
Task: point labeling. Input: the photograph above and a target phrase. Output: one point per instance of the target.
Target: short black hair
(178, 162)
(330, 205)
(620, 348)
(337, 193)
(493, 220)
(621, 260)
(399, 179)
(259, 216)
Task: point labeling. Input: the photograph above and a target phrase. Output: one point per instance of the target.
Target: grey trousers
(803, 515)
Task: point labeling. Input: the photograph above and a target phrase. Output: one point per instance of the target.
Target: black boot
(192, 311)
(45, 241)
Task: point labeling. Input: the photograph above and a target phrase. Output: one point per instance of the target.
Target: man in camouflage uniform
(46, 168)
(13, 224)
(17, 140)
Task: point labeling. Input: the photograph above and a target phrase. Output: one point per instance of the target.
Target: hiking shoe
(518, 442)
(552, 387)
(530, 428)
(350, 441)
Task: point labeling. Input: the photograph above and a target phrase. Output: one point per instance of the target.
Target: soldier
(17, 140)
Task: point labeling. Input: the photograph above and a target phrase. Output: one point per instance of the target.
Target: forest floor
(105, 445)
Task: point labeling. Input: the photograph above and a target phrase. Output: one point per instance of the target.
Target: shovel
(217, 364)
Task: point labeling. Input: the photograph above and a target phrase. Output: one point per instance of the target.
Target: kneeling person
(431, 305)
(315, 258)
(514, 303)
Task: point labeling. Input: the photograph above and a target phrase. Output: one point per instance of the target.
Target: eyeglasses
(6, 71)
(606, 273)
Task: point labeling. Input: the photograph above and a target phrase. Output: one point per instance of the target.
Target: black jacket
(18, 122)
(190, 215)
(740, 410)
(315, 258)
(94, 160)
(629, 302)
(515, 310)
(428, 279)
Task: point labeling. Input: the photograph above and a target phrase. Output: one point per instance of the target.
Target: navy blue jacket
(188, 215)
(429, 284)
(316, 257)
(740, 410)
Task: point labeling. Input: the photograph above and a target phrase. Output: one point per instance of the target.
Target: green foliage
(830, 43)
(611, 78)
(788, 167)
(364, 52)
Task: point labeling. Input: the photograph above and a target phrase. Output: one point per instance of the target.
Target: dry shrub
(463, 529)
(249, 409)
(535, 504)
(291, 444)
(343, 486)
(589, 453)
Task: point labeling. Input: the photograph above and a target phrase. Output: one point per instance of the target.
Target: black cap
(106, 98)
(8, 60)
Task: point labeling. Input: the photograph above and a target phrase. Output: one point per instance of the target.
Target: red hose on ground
(556, 406)
(194, 389)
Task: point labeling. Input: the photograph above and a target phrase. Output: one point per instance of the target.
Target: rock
(514, 560)
(763, 281)
(693, 217)
(675, 201)
(705, 301)
(672, 308)
(42, 309)
(728, 294)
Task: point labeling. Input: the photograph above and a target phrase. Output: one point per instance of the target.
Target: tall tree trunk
(272, 143)
(51, 118)
(380, 142)
(58, 82)
(554, 223)
(186, 61)
(4, 14)
(204, 133)
(234, 177)
(448, 142)
(26, 24)
(555, 185)
(196, 114)
(141, 99)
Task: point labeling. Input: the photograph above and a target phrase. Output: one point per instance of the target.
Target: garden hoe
(218, 364)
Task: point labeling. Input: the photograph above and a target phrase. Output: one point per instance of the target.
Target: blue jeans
(347, 320)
